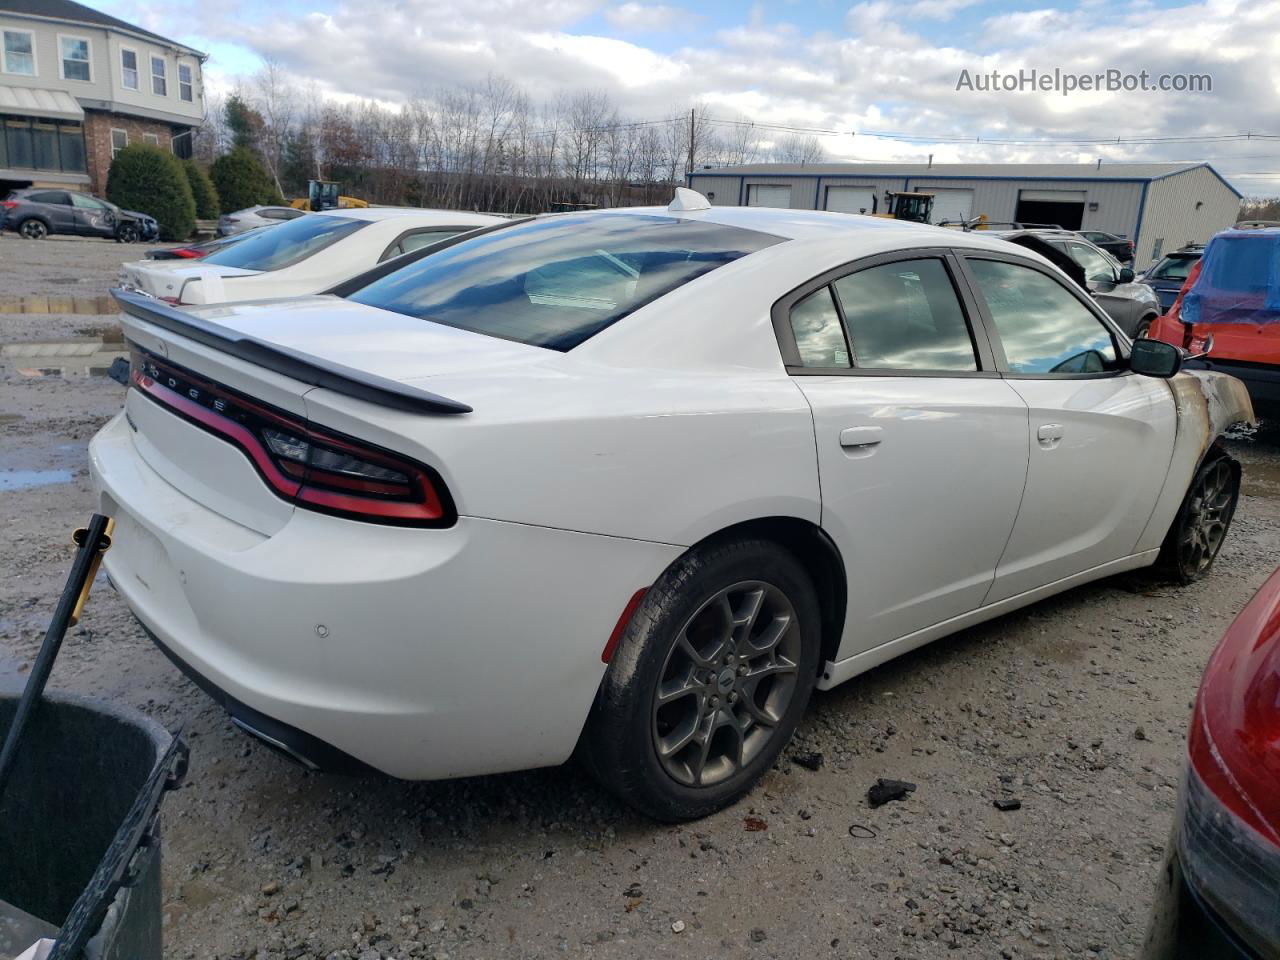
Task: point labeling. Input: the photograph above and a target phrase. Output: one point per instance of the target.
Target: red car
(1233, 293)
(1219, 891)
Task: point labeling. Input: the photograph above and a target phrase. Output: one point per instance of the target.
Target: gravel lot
(1077, 706)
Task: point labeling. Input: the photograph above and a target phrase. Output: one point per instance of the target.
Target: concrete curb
(102, 304)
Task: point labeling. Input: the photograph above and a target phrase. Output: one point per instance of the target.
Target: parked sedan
(1219, 890)
(634, 483)
(250, 218)
(1119, 247)
(35, 213)
(1132, 304)
(305, 255)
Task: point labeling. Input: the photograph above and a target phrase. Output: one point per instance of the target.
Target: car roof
(376, 214)
(812, 224)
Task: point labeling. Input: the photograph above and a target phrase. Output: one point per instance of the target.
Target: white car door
(1100, 437)
(922, 446)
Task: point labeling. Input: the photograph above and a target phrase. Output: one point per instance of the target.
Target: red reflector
(620, 628)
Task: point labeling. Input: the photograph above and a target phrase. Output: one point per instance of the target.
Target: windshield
(557, 281)
(286, 244)
(1173, 268)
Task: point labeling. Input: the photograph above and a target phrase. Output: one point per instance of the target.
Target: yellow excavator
(908, 205)
(324, 195)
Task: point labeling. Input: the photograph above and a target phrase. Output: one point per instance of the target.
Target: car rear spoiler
(291, 363)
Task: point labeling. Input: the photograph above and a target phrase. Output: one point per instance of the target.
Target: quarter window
(185, 87)
(19, 53)
(1043, 327)
(905, 316)
(159, 84)
(815, 321)
(129, 69)
(75, 58)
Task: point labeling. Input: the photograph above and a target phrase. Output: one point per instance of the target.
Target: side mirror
(1155, 358)
(1126, 275)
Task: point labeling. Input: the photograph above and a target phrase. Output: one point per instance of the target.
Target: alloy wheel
(33, 230)
(1209, 512)
(726, 683)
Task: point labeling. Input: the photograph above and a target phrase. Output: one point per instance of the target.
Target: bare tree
(797, 148)
(275, 101)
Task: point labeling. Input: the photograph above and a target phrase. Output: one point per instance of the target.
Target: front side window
(186, 90)
(159, 84)
(1043, 327)
(286, 244)
(1097, 268)
(19, 53)
(906, 316)
(87, 203)
(129, 69)
(119, 140)
(75, 58)
(557, 282)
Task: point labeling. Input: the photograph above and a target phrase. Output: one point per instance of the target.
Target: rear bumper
(424, 654)
(1184, 927)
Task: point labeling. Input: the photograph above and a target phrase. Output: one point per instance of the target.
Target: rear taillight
(9, 204)
(1229, 833)
(186, 253)
(174, 300)
(306, 465)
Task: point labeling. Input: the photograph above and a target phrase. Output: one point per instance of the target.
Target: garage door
(950, 203)
(851, 199)
(1063, 208)
(768, 195)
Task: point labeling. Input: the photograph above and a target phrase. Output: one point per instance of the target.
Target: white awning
(34, 102)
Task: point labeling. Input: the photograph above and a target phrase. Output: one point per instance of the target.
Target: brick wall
(97, 141)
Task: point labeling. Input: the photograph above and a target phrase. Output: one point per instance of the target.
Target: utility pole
(691, 135)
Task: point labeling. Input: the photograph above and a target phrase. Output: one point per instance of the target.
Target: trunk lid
(392, 350)
(167, 278)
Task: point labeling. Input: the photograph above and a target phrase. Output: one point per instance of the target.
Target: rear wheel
(1203, 520)
(33, 229)
(709, 682)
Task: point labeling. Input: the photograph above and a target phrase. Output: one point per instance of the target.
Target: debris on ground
(885, 790)
(810, 761)
(754, 824)
(1008, 803)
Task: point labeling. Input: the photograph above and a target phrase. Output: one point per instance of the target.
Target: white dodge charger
(633, 483)
(306, 255)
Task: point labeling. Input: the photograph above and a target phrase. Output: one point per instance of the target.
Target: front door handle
(860, 438)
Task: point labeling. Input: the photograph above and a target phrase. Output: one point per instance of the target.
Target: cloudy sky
(874, 66)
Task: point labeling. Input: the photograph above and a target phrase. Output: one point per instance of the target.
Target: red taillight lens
(8, 204)
(306, 465)
(1229, 833)
(173, 300)
(186, 253)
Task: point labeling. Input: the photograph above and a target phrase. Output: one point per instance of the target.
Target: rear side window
(286, 244)
(819, 335)
(556, 282)
(906, 316)
(1044, 329)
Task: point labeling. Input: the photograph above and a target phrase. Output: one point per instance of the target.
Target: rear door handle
(1049, 434)
(855, 438)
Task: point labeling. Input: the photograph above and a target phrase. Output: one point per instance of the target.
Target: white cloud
(639, 17)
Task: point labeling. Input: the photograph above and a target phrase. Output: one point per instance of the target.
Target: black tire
(1203, 520)
(620, 743)
(128, 233)
(1143, 327)
(33, 229)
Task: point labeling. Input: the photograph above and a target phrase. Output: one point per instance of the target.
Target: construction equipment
(907, 205)
(324, 195)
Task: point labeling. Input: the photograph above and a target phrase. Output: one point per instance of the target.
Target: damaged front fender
(1208, 405)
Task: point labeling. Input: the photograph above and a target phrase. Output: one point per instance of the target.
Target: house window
(20, 52)
(71, 144)
(159, 85)
(75, 58)
(119, 140)
(151, 138)
(129, 69)
(181, 146)
(186, 90)
(41, 144)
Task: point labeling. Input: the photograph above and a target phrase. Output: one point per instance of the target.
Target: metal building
(1161, 206)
